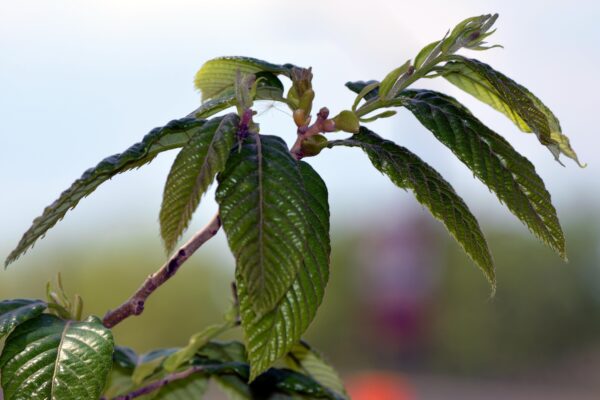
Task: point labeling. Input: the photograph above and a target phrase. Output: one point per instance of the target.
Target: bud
(300, 117)
(306, 100)
(313, 145)
(347, 121)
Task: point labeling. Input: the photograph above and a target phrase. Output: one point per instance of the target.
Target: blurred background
(406, 315)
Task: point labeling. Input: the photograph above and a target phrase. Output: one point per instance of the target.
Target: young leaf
(513, 100)
(492, 159)
(271, 335)
(216, 78)
(388, 82)
(262, 206)
(49, 358)
(306, 360)
(357, 87)
(175, 134)
(15, 312)
(192, 172)
(408, 171)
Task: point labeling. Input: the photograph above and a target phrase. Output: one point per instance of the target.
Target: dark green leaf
(271, 335)
(175, 134)
(408, 171)
(358, 86)
(306, 360)
(492, 159)
(513, 100)
(49, 358)
(192, 173)
(15, 312)
(262, 206)
(216, 78)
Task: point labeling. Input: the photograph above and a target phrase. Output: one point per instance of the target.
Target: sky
(83, 80)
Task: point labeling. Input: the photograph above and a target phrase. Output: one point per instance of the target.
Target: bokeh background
(406, 314)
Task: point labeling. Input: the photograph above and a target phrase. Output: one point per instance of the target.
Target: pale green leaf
(306, 360)
(425, 52)
(196, 342)
(492, 159)
(269, 336)
(408, 171)
(47, 358)
(192, 173)
(216, 78)
(175, 134)
(262, 206)
(15, 312)
(388, 82)
(513, 100)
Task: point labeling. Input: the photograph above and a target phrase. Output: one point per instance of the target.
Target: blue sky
(83, 80)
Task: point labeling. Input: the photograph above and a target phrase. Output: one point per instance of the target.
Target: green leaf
(384, 114)
(357, 87)
(15, 312)
(192, 387)
(192, 172)
(269, 87)
(513, 100)
(261, 203)
(150, 363)
(306, 360)
(271, 335)
(196, 342)
(175, 134)
(492, 159)
(216, 78)
(49, 358)
(425, 52)
(388, 82)
(234, 387)
(408, 171)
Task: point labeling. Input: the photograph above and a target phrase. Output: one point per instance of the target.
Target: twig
(135, 304)
(160, 383)
(321, 125)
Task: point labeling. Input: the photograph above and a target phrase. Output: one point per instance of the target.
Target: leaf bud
(347, 121)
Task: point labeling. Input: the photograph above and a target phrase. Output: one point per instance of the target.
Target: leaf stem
(135, 304)
(156, 385)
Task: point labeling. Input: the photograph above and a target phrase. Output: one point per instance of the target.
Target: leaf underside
(175, 134)
(269, 87)
(262, 206)
(492, 159)
(47, 358)
(408, 171)
(507, 96)
(304, 359)
(216, 77)
(192, 172)
(271, 335)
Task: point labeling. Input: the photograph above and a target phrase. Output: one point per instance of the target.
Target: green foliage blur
(543, 312)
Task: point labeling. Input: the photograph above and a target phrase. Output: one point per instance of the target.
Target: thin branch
(135, 304)
(160, 383)
(321, 125)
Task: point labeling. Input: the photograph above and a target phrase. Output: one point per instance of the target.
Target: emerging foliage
(275, 212)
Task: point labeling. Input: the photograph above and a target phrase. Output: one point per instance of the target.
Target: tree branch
(160, 383)
(135, 304)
